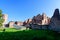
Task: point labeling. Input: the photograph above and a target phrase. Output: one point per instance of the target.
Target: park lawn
(9, 30)
(13, 34)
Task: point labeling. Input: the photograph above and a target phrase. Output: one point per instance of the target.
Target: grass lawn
(9, 30)
(13, 34)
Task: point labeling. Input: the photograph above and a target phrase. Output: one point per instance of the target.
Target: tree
(1, 19)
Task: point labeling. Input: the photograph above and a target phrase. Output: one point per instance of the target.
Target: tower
(5, 17)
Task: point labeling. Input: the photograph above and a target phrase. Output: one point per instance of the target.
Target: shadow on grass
(30, 35)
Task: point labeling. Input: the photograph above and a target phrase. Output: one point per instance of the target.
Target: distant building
(5, 17)
(11, 23)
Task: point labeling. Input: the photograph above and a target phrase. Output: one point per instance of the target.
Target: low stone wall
(54, 28)
(35, 26)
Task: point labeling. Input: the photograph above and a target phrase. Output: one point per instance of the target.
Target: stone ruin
(55, 21)
(52, 24)
(43, 22)
(39, 19)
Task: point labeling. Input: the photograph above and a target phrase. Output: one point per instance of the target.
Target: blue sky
(20, 10)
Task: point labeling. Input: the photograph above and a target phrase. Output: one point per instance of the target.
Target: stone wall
(36, 26)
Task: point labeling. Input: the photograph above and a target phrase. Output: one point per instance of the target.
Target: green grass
(9, 30)
(13, 34)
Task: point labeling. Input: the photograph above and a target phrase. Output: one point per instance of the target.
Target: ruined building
(39, 19)
(52, 24)
(55, 21)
